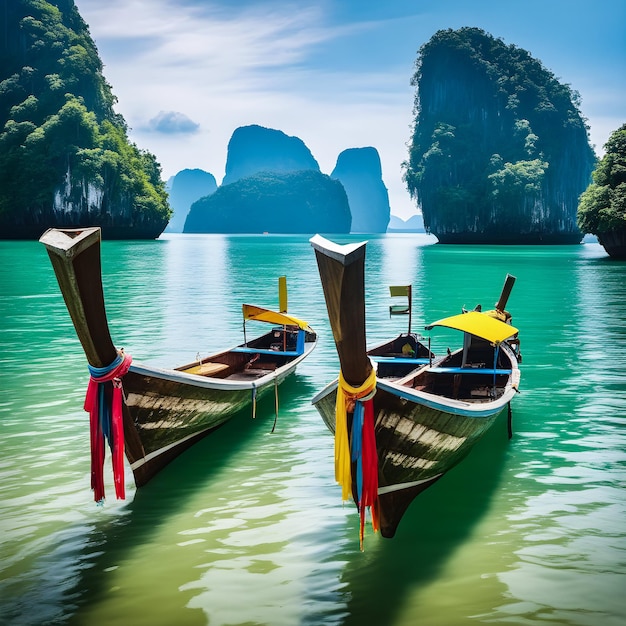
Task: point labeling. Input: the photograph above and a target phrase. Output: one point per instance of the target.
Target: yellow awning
(257, 313)
(479, 324)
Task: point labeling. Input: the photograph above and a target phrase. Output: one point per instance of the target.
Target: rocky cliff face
(65, 157)
(360, 172)
(253, 149)
(187, 187)
(500, 152)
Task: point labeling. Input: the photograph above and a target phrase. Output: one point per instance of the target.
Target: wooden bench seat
(206, 369)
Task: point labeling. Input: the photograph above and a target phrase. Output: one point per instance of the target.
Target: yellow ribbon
(347, 394)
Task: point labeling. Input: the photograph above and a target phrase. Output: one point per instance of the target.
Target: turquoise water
(248, 527)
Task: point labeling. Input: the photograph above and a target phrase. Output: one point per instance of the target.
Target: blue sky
(335, 73)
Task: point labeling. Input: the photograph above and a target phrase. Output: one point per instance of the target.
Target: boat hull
(418, 440)
(169, 410)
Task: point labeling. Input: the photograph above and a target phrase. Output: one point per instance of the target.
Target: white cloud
(172, 122)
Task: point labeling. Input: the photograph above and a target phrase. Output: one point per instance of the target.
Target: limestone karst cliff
(254, 148)
(360, 172)
(65, 157)
(602, 207)
(500, 151)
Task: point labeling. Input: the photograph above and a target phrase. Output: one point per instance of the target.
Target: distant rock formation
(305, 201)
(253, 149)
(360, 172)
(500, 151)
(187, 187)
(415, 224)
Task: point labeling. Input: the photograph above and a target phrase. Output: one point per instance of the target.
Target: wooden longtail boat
(425, 421)
(167, 410)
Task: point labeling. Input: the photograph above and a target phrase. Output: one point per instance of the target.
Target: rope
(359, 448)
(275, 403)
(103, 402)
(253, 401)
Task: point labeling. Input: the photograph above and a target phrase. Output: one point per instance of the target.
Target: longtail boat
(397, 436)
(150, 413)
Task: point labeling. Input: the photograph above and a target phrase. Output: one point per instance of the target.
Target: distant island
(254, 149)
(304, 201)
(274, 184)
(185, 188)
(415, 224)
(360, 172)
(500, 151)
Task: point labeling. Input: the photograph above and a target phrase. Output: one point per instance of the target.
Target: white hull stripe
(401, 486)
(156, 453)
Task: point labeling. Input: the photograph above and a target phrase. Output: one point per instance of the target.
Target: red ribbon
(369, 469)
(113, 397)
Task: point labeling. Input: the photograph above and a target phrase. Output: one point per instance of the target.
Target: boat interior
(255, 358)
(478, 372)
(400, 356)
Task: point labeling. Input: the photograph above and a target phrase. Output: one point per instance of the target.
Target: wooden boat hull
(428, 412)
(170, 410)
(418, 440)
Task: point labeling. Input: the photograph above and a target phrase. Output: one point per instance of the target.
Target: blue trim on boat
(300, 345)
(259, 351)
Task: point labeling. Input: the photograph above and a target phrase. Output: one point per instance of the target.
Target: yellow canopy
(251, 312)
(479, 324)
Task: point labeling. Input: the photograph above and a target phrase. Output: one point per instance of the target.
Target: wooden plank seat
(206, 369)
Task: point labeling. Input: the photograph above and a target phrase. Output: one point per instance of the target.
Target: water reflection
(569, 510)
(246, 514)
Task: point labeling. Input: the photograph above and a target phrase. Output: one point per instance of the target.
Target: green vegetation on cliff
(305, 201)
(65, 157)
(602, 207)
(499, 151)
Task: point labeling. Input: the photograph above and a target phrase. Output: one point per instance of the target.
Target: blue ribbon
(356, 445)
(104, 404)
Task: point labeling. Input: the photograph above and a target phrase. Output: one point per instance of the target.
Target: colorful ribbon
(103, 402)
(359, 448)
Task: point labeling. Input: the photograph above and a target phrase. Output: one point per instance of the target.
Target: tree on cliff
(499, 151)
(602, 207)
(65, 157)
(276, 202)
